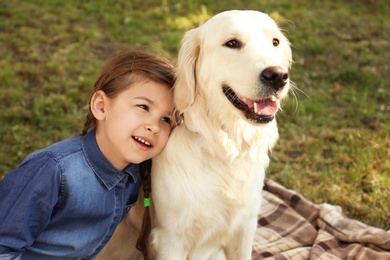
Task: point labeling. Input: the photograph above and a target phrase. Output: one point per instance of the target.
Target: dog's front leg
(240, 246)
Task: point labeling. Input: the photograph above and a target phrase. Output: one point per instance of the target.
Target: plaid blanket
(292, 227)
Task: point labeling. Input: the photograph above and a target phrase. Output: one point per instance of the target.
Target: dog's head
(237, 64)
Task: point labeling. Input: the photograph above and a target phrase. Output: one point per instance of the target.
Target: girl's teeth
(142, 141)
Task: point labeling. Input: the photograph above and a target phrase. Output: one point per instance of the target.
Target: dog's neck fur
(240, 139)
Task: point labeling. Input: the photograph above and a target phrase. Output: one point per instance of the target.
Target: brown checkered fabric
(292, 227)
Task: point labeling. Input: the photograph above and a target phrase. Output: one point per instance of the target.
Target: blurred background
(334, 144)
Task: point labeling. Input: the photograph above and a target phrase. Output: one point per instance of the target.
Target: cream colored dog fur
(232, 74)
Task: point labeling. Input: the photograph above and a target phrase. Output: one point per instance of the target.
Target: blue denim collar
(103, 168)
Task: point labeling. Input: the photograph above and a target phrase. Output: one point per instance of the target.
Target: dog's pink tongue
(266, 107)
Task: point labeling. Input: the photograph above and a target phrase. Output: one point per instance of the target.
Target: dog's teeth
(255, 107)
(273, 98)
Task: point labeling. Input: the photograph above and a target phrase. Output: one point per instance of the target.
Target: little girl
(65, 201)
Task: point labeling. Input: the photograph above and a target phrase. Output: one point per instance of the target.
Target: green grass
(334, 141)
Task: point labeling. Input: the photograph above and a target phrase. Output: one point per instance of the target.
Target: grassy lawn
(334, 141)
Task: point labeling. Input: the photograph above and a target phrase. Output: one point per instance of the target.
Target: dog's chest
(223, 203)
(225, 192)
(205, 195)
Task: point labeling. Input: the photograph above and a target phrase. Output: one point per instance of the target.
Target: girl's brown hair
(118, 75)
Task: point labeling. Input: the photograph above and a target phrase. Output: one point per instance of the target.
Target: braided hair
(142, 242)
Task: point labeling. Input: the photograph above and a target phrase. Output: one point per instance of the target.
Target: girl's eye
(167, 120)
(144, 107)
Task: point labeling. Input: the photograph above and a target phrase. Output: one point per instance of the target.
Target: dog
(232, 76)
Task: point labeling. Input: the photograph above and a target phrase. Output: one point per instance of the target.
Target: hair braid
(89, 123)
(143, 239)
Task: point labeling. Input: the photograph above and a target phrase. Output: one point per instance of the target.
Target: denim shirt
(64, 202)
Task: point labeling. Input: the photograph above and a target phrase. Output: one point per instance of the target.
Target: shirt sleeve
(27, 198)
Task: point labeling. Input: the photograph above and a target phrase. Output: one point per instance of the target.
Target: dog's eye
(234, 44)
(275, 42)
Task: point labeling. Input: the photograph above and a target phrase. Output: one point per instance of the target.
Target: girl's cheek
(166, 136)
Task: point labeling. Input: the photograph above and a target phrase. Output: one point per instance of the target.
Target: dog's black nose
(275, 77)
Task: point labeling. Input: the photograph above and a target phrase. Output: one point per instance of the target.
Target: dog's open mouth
(258, 111)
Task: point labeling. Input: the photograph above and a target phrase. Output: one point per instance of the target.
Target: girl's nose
(153, 128)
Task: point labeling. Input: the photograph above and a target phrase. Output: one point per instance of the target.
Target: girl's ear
(98, 104)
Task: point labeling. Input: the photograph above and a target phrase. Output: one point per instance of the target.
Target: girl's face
(135, 125)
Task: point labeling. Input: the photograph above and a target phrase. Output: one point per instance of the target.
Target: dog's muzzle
(260, 111)
(263, 110)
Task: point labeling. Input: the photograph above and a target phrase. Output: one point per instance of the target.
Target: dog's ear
(186, 71)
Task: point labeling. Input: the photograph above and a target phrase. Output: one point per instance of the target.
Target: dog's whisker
(294, 94)
(301, 91)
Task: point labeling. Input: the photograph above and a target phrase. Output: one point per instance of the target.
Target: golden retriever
(232, 75)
